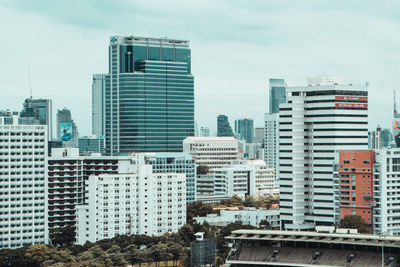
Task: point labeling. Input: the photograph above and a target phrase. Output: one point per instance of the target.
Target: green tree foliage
(62, 236)
(196, 209)
(355, 222)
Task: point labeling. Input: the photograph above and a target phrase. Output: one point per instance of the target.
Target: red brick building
(356, 183)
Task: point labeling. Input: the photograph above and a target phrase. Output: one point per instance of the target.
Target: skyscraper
(98, 94)
(39, 112)
(67, 132)
(316, 121)
(245, 129)
(224, 129)
(204, 131)
(277, 94)
(149, 95)
(376, 138)
(271, 147)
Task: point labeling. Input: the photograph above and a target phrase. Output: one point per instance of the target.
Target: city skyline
(62, 66)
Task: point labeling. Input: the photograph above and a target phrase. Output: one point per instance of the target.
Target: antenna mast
(29, 80)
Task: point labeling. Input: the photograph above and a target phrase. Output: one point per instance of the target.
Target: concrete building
(98, 104)
(259, 135)
(271, 142)
(277, 94)
(376, 138)
(264, 177)
(67, 132)
(204, 132)
(134, 201)
(353, 172)
(245, 129)
(224, 129)
(23, 184)
(387, 138)
(318, 119)
(248, 216)
(213, 152)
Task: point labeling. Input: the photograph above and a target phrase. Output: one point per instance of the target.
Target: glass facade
(277, 94)
(245, 129)
(38, 111)
(223, 126)
(149, 95)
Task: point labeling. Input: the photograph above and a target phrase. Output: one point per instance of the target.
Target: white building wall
(271, 141)
(140, 202)
(23, 185)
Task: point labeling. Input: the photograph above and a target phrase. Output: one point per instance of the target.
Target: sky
(236, 47)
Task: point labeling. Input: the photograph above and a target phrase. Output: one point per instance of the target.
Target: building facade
(91, 144)
(353, 172)
(316, 121)
(134, 201)
(98, 104)
(149, 95)
(277, 94)
(271, 142)
(204, 131)
(245, 129)
(224, 129)
(38, 112)
(67, 132)
(376, 138)
(23, 185)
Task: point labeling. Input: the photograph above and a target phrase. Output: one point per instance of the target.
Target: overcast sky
(236, 47)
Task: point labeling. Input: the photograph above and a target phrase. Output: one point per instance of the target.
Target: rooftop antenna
(29, 80)
(394, 102)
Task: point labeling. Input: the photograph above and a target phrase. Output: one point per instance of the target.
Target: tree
(15, 258)
(116, 256)
(202, 169)
(234, 201)
(134, 255)
(160, 253)
(176, 250)
(95, 256)
(196, 209)
(355, 222)
(62, 236)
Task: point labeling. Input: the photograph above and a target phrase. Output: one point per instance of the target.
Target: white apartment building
(23, 214)
(249, 216)
(316, 120)
(134, 201)
(271, 141)
(386, 180)
(264, 177)
(213, 152)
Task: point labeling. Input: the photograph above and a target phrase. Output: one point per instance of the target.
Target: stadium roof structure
(302, 236)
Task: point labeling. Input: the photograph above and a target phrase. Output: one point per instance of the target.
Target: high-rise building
(271, 143)
(23, 214)
(245, 129)
(204, 132)
(91, 144)
(38, 112)
(376, 138)
(387, 138)
(317, 120)
(354, 179)
(277, 94)
(134, 201)
(149, 95)
(67, 132)
(98, 104)
(224, 129)
(259, 135)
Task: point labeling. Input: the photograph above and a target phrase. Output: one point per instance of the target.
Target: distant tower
(223, 126)
(245, 129)
(376, 138)
(38, 112)
(67, 132)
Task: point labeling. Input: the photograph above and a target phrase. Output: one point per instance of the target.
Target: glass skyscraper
(277, 94)
(223, 126)
(149, 95)
(38, 111)
(245, 129)
(98, 88)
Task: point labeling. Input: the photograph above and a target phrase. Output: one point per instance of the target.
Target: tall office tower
(98, 100)
(354, 181)
(277, 94)
(245, 129)
(387, 138)
(23, 214)
(271, 146)
(134, 201)
(396, 122)
(204, 132)
(38, 111)
(224, 129)
(376, 138)
(67, 132)
(259, 135)
(149, 95)
(316, 121)
(91, 144)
